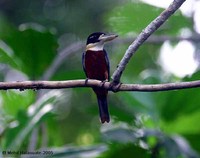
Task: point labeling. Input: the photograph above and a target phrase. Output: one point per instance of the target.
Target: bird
(96, 65)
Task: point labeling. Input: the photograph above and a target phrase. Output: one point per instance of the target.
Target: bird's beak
(107, 37)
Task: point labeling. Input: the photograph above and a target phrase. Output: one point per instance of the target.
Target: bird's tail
(103, 108)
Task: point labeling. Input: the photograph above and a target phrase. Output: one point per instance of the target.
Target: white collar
(95, 46)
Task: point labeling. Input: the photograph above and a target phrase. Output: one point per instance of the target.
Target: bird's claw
(86, 81)
(103, 83)
(114, 86)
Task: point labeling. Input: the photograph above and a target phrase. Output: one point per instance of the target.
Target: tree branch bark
(142, 37)
(36, 85)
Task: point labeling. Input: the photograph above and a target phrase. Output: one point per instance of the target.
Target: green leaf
(36, 49)
(133, 17)
(183, 147)
(184, 124)
(76, 151)
(120, 135)
(7, 56)
(180, 103)
(14, 100)
(6, 28)
(193, 139)
(34, 46)
(27, 121)
(117, 150)
(179, 110)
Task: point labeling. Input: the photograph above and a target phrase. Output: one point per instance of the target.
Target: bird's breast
(95, 65)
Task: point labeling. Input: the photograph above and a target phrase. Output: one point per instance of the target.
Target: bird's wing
(107, 63)
(83, 62)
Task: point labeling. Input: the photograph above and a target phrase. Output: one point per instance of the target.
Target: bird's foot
(114, 86)
(86, 81)
(103, 83)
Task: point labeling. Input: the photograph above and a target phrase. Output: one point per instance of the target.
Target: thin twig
(142, 37)
(36, 85)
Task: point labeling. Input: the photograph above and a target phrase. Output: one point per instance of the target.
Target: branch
(36, 85)
(142, 37)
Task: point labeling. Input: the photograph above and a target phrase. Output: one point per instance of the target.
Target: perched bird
(96, 66)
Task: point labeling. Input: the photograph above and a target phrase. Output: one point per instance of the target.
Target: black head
(94, 37)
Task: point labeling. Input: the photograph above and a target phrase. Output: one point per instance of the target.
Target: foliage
(161, 124)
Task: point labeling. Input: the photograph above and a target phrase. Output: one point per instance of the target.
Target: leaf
(184, 124)
(120, 135)
(117, 150)
(167, 146)
(184, 147)
(13, 100)
(37, 112)
(133, 17)
(6, 28)
(193, 139)
(7, 56)
(34, 46)
(180, 104)
(77, 151)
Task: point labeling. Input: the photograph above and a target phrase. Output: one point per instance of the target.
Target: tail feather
(103, 109)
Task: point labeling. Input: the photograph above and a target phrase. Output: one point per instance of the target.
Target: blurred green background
(44, 40)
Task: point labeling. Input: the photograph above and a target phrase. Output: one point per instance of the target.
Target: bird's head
(96, 40)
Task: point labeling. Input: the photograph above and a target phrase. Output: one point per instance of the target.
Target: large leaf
(26, 122)
(80, 152)
(6, 28)
(133, 17)
(14, 100)
(165, 146)
(178, 103)
(34, 46)
(117, 150)
(7, 56)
